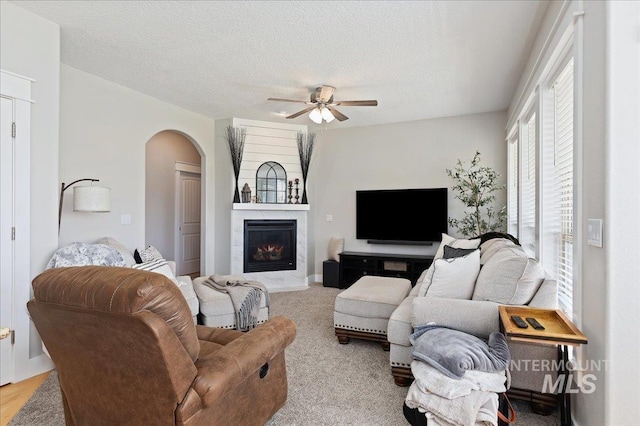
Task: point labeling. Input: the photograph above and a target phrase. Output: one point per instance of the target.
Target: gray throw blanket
(245, 297)
(453, 351)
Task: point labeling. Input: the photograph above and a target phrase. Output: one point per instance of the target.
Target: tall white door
(6, 240)
(188, 197)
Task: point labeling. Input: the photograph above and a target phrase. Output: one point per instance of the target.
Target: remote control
(519, 321)
(535, 324)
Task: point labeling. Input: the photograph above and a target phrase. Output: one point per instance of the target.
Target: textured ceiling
(224, 59)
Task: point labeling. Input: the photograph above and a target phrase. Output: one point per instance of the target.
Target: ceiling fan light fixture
(327, 115)
(316, 115)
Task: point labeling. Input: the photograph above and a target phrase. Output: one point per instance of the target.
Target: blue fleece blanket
(453, 351)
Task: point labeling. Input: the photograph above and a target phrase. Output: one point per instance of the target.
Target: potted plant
(475, 186)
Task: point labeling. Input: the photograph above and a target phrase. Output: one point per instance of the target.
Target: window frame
(537, 102)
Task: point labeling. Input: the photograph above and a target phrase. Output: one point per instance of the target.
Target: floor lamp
(86, 198)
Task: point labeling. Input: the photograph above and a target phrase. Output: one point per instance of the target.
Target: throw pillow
(336, 246)
(453, 278)
(136, 256)
(491, 235)
(451, 252)
(491, 247)
(448, 240)
(149, 254)
(82, 254)
(126, 254)
(160, 266)
(509, 277)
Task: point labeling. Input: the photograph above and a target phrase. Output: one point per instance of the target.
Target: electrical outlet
(328, 218)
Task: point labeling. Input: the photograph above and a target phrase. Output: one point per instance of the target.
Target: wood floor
(14, 395)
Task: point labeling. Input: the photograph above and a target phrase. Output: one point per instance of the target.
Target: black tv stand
(401, 242)
(354, 265)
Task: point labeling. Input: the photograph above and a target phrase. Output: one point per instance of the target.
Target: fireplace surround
(280, 280)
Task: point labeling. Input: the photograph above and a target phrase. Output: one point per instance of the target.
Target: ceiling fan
(323, 106)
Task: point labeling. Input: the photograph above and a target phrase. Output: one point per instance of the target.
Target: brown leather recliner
(126, 351)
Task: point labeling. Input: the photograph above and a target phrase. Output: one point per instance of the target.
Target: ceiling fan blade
(326, 92)
(287, 100)
(337, 114)
(299, 113)
(357, 103)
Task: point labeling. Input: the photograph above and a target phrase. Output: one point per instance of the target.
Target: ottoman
(216, 309)
(362, 311)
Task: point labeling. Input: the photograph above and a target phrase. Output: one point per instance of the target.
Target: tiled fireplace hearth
(270, 245)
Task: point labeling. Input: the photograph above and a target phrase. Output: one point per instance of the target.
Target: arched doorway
(173, 199)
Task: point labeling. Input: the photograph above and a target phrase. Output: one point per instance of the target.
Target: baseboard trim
(283, 289)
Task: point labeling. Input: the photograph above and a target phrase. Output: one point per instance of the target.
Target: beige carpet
(329, 383)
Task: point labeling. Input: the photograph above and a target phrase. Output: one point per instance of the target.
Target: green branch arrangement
(475, 187)
(235, 137)
(305, 150)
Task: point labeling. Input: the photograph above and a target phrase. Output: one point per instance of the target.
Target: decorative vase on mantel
(236, 195)
(305, 150)
(304, 191)
(235, 137)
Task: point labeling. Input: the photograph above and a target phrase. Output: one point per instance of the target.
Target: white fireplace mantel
(271, 207)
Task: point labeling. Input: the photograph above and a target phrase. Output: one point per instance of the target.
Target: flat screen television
(401, 216)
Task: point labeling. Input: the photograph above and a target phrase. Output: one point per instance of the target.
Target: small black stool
(331, 273)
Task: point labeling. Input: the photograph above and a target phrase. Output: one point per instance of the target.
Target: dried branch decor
(305, 150)
(474, 186)
(235, 138)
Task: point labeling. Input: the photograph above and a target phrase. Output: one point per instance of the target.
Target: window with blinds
(527, 225)
(558, 188)
(512, 188)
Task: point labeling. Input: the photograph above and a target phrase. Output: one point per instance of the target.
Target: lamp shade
(327, 115)
(316, 116)
(91, 199)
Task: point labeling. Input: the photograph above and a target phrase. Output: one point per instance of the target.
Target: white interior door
(6, 240)
(188, 198)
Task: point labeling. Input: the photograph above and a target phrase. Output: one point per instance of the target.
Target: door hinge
(13, 129)
(13, 337)
(13, 233)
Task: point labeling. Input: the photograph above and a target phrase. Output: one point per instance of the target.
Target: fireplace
(269, 245)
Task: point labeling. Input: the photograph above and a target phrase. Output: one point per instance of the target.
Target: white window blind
(527, 234)
(512, 188)
(558, 189)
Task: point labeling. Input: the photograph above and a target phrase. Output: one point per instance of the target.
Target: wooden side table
(559, 330)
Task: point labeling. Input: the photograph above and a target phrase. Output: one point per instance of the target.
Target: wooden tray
(558, 328)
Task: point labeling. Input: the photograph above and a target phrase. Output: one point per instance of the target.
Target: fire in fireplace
(269, 245)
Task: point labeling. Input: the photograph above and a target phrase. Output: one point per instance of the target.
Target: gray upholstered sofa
(479, 318)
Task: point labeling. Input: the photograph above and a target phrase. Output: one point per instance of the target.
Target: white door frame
(179, 168)
(17, 87)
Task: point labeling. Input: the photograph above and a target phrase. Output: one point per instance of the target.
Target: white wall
(623, 205)
(30, 46)
(413, 154)
(161, 153)
(103, 131)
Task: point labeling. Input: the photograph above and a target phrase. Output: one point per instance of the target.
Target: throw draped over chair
(126, 351)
